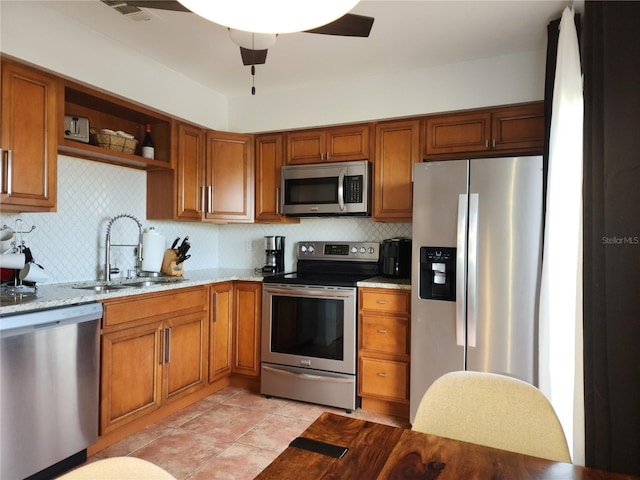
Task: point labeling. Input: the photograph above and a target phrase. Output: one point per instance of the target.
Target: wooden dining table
(377, 451)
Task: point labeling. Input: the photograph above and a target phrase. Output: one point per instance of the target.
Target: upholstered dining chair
(120, 468)
(493, 410)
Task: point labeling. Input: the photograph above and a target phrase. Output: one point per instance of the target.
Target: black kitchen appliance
(395, 258)
(273, 254)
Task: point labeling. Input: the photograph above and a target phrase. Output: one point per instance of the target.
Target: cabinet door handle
(486, 143)
(203, 196)
(209, 199)
(493, 143)
(278, 200)
(163, 344)
(382, 374)
(167, 351)
(382, 330)
(7, 181)
(214, 318)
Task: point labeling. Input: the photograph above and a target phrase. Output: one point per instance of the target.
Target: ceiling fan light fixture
(251, 40)
(275, 16)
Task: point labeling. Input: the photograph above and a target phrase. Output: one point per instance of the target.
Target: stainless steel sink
(112, 286)
(150, 282)
(103, 288)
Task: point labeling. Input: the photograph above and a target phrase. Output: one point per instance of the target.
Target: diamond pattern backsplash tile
(70, 243)
(234, 238)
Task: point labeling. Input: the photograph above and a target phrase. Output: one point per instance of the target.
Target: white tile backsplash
(69, 243)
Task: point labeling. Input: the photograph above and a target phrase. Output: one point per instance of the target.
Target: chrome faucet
(108, 270)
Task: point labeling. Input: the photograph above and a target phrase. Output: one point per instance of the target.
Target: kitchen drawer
(385, 334)
(384, 379)
(387, 301)
(153, 305)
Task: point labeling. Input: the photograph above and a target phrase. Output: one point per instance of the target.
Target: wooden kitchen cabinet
(229, 177)
(28, 131)
(221, 316)
(384, 317)
(176, 194)
(247, 299)
(398, 148)
(334, 144)
(153, 352)
(269, 158)
(514, 129)
(114, 113)
(131, 374)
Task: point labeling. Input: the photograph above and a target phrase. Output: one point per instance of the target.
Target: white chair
(120, 468)
(493, 410)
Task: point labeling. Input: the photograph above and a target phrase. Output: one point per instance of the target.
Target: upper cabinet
(229, 177)
(335, 144)
(28, 139)
(105, 111)
(397, 150)
(517, 129)
(185, 180)
(269, 157)
(212, 178)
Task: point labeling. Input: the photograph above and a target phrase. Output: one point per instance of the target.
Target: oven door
(309, 326)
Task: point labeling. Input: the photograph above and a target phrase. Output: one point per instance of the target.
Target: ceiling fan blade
(253, 57)
(172, 5)
(349, 25)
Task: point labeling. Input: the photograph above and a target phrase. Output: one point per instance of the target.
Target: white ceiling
(406, 35)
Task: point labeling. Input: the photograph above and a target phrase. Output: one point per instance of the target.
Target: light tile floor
(232, 435)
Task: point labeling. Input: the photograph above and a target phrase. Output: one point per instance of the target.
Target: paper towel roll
(12, 260)
(153, 247)
(33, 273)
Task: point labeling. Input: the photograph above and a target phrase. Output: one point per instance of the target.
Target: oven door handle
(307, 376)
(311, 292)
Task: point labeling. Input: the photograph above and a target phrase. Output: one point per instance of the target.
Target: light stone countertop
(385, 282)
(61, 294)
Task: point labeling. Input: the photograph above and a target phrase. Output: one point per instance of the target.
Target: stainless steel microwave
(326, 189)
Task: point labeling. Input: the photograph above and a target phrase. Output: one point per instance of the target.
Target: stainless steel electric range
(309, 323)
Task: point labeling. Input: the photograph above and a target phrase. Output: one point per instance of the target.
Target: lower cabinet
(221, 315)
(153, 351)
(384, 319)
(247, 299)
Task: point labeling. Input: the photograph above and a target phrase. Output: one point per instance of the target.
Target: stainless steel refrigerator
(476, 262)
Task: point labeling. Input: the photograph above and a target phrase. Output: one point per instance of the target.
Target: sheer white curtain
(560, 361)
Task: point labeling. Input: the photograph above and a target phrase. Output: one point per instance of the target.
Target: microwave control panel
(352, 251)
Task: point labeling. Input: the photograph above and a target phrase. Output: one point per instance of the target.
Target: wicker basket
(116, 142)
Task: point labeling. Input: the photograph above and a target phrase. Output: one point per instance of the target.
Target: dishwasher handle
(49, 318)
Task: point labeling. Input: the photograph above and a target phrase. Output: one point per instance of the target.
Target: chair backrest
(493, 410)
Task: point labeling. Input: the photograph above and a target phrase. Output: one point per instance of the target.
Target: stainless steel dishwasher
(49, 361)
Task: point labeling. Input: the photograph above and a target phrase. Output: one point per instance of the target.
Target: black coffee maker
(273, 254)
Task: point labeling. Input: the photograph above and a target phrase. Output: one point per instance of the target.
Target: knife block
(169, 266)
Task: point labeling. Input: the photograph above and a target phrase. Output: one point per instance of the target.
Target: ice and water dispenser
(438, 273)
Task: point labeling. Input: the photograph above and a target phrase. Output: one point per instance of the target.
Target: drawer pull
(382, 374)
(382, 302)
(382, 330)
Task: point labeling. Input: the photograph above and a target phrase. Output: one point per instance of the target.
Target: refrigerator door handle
(461, 271)
(472, 271)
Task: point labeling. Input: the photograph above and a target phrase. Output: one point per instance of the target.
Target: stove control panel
(352, 251)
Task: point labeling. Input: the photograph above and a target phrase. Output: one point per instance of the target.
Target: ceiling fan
(254, 46)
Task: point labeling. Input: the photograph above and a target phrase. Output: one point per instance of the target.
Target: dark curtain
(611, 65)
